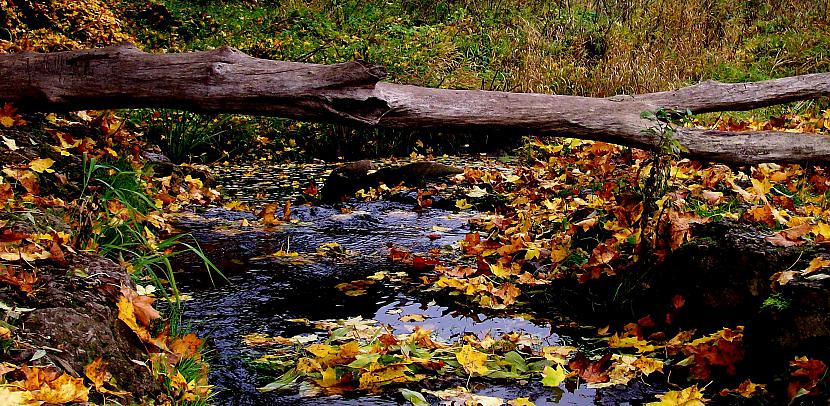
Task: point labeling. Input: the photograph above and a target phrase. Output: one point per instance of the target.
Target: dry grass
(605, 47)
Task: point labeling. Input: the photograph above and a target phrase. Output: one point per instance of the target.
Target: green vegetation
(777, 302)
(592, 48)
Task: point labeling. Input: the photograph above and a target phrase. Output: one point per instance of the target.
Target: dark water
(265, 294)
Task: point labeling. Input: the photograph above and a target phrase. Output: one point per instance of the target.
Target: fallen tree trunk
(226, 80)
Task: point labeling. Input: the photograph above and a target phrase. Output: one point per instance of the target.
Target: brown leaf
(806, 377)
(816, 264)
(780, 240)
(24, 281)
(591, 372)
(142, 306)
(796, 232)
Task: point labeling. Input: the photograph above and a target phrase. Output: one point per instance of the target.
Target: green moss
(776, 302)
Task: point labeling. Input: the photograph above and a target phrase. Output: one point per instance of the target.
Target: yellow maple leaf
(762, 187)
(553, 377)
(690, 396)
(462, 204)
(6, 121)
(65, 389)
(41, 164)
(648, 365)
(96, 371)
(630, 342)
(822, 229)
(320, 350)
(472, 360)
(373, 379)
(816, 264)
(126, 313)
(521, 402)
(15, 397)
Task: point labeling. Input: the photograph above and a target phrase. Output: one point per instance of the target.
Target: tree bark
(226, 80)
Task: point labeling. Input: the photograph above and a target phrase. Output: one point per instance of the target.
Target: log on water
(228, 81)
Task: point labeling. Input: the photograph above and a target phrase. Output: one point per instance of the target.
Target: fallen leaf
(472, 360)
(690, 396)
(553, 377)
(816, 264)
(41, 164)
(413, 318)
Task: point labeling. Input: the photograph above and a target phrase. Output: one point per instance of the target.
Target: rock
(724, 277)
(163, 166)
(75, 320)
(345, 180)
(351, 177)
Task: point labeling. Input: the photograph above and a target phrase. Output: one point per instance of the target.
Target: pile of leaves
(575, 209)
(78, 183)
(59, 25)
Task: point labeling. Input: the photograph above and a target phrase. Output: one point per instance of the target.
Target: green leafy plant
(666, 149)
(121, 232)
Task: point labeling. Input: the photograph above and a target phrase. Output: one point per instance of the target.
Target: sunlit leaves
(472, 361)
(690, 396)
(44, 385)
(41, 164)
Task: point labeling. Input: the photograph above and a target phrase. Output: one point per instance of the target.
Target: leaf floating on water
(521, 402)
(554, 377)
(472, 361)
(415, 317)
(415, 398)
(690, 396)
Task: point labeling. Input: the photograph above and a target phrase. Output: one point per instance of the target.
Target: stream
(277, 295)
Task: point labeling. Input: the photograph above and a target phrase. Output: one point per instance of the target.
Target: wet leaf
(413, 318)
(374, 378)
(816, 264)
(690, 396)
(746, 389)
(415, 398)
(472, 361)
(554, 377)
(521, 402)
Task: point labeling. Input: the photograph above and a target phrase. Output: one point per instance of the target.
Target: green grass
(580, 47)
(120, 232)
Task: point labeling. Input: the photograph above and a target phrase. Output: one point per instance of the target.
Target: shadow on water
(268, 295)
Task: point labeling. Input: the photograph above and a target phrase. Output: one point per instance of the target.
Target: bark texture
(226, 80)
